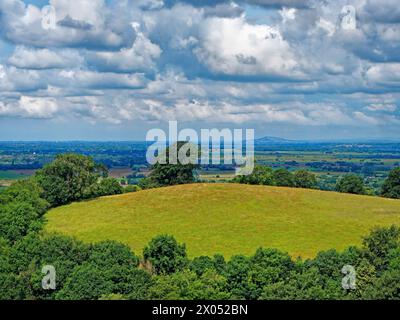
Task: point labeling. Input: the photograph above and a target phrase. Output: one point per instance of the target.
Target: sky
(112, 70)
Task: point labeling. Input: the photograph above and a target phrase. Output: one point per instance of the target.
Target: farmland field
(228, 218)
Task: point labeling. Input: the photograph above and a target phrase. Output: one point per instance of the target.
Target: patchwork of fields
(228, 218)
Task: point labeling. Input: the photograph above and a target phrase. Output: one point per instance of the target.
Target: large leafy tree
(260, 175)
(351, 183)
(283, 178)
(304, 179)
(67, 177)
(391, 186)
(173, 171)
(165, 254)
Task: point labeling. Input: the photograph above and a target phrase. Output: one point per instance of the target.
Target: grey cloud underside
(285, 62)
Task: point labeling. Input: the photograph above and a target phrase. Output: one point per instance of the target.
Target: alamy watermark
(348, 18)
(49, 18)
(204, 149)
(49, 280)
(349, 280)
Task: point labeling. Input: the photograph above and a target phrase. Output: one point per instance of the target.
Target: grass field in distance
(228, 218)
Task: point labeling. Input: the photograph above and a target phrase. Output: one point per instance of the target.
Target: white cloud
(30, 107)
(108, 80)
(140, 57)
(287, 14)
(382, 107)
(384, 73)
(232, 46)
(44, 58)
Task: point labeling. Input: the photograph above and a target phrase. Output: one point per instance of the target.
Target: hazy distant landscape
(127, 160)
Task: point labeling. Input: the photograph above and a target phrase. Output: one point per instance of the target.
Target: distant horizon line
(278, 140)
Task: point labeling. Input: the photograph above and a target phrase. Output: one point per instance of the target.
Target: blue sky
(111, 70)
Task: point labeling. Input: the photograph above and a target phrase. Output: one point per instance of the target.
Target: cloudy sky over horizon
(110, 70)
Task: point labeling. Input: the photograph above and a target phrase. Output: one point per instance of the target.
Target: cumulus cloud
(30, 107)
(384, 74)
(140, 57)
(245, 61)
(108, 80)
(28, 58)
(235, 47)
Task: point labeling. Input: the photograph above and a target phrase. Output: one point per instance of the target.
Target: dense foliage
(391, 186)
(263, 175)
(110, 270)
(173, 171)
(72, 177)
(351, 183)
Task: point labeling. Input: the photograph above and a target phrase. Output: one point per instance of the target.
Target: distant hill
(228, 218)
(274, 140)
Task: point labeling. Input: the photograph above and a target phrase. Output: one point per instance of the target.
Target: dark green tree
(391, 186)
(304, 179)
(261, 175)
(173, 171)
(283, 178)
(66, 178)
(379, 245)
(351, 183)
(165, 254)
(106, 187)
(87, 282)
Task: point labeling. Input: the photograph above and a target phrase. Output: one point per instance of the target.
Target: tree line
(350, 183)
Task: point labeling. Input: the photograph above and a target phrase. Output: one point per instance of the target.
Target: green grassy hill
(228, 218)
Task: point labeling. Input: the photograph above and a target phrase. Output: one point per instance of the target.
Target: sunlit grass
(228, 218)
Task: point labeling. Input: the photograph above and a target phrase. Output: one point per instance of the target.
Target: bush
(131, 188)
(165, 254)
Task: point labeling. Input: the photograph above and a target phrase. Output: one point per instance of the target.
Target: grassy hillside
(228, 218)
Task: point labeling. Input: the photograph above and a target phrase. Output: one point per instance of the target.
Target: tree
(351, 183)
(267, 266)
(237, 274)
(261, 175)
(106, 187)
(170, 173)
(188, 286)
(66, 178)
(17, 219)
(25, 191)
(165, 254)
(283, 178)
(379, 245)
(386, 287)
(87, 282)
(391, 186)
(201, 264)
(304, 179)
(109, 254)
